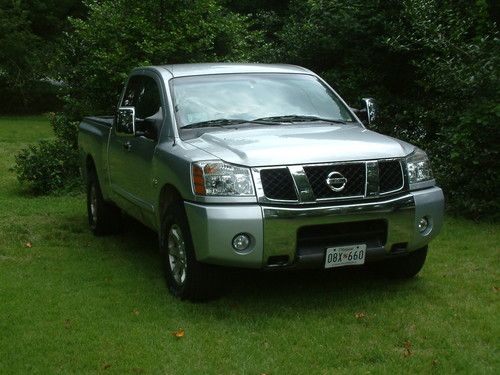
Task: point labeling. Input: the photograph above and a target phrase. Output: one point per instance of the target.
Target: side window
(143, 94)
(129, 98)
(148, 101)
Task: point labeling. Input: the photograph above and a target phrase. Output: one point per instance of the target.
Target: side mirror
(125, 121)
(371, 110)
(368, 114)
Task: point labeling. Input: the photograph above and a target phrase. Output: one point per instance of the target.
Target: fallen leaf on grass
(434, 362)
(135, 312)
(496, 288)
(179, 333)
(28, 244)
(407, 346)
(105, 366)
(360, 315)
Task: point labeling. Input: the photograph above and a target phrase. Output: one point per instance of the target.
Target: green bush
(48, 167)
(65, 129)
(469, 174)
(51, 166)
(433, 67)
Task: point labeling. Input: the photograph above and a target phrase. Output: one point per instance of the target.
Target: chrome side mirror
(371, 110)
(125, 121)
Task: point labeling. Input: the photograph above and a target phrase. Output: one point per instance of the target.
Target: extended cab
(256, 166)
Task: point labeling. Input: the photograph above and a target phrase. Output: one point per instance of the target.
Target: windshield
(207, 98)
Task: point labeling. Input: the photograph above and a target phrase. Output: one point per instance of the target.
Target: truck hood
(299, 144)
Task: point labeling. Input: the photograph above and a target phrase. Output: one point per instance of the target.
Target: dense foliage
(29, 32)
(119, 35)
(432, 64)
(456, 60)
(51, 166)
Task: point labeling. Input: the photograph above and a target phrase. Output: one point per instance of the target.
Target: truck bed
(99, 120)
(93, 139)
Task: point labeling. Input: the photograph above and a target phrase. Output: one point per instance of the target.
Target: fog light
(241, 242)
(423, 224)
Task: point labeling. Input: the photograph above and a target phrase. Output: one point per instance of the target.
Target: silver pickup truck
(256, 166)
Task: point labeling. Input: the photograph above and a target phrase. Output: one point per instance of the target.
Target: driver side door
(131, 157)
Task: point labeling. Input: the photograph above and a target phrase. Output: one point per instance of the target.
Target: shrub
(65, 129)
(470, 174)
(433, 66)
(48, 167)
(51, 166)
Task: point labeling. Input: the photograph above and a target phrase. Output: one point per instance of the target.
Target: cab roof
(183, 70)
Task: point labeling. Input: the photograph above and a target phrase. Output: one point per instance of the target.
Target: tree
(28, 36)
(99, 52)
(19, 50)
(432, 64)
(119, 35)
(456, 59)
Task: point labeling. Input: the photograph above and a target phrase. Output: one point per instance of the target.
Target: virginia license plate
(345, 255)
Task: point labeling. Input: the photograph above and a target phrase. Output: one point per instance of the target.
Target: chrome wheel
(177, 257)
(93, 204)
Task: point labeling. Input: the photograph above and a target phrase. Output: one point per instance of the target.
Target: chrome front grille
(355, 173)
(278, 184)
(390, 176)
(329, 182)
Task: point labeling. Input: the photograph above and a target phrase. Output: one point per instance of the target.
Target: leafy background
(432, 64)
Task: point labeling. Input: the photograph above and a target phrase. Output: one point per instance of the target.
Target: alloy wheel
(177, 257)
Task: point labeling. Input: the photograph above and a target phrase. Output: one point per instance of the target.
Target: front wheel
(405, 267)
(186, 277)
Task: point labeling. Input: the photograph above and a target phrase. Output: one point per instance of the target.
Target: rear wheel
(405, 267)
(186, 277)
(104, 217)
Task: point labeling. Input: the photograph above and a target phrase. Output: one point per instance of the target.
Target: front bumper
(274, 229)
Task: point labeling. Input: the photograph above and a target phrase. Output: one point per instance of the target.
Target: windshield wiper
(299, 118)
(273, 120)
(221, 122)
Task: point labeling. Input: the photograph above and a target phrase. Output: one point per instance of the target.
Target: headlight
(219, 178)
(418, 167)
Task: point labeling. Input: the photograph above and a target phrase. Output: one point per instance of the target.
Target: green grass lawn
(74, 303)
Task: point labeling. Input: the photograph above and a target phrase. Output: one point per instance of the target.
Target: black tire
(104, 217)
(405, 267)
(191, 279)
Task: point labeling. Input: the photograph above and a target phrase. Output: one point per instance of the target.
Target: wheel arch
(168, 195)
(89, 164)
(91, 167)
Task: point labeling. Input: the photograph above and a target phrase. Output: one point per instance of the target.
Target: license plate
(345, 255)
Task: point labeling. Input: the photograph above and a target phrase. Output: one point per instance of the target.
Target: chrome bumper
(273, 230)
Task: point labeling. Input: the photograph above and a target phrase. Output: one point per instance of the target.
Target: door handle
(127, 145)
